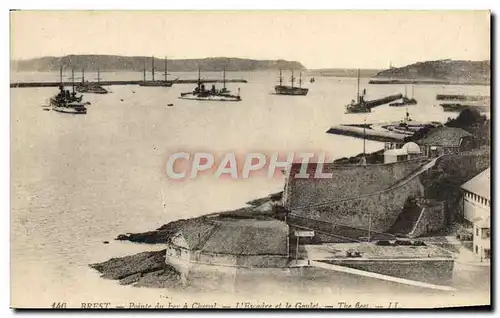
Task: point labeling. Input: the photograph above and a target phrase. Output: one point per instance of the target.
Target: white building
(409, 151)
(476, 212)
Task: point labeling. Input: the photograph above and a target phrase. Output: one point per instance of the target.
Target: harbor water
(77, 181)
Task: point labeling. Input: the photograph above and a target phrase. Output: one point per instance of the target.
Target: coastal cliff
(438, 72)
(137, 63)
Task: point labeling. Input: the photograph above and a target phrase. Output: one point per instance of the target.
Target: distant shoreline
(109, 83)
(390, 81)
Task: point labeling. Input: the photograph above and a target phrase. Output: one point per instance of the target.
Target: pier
(109, 83)
(366, 133)
(461, 97)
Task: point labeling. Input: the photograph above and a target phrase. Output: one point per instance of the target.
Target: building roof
(411, 147)
(480, 184)
(396, 152)
(238, 237)
(444, 136)
(196, 232)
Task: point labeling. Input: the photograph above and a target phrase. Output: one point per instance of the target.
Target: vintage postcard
(250, 159)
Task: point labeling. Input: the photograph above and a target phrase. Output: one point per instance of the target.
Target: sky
(317, 39)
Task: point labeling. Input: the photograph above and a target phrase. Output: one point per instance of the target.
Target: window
(476, 249)
(486, 233)
(477, 233)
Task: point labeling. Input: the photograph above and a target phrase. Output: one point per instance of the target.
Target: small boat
(93, 88)
(290, 90)
(359, 105)
(312, 80)
(66, 102)
(202, 94)
(156, 83)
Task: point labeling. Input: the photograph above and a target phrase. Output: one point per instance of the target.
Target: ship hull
(211, 98)
(291, 91)
(366, 106)
(73, 108)
(69, 110)
(358, 110)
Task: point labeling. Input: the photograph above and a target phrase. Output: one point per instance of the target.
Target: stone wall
(182, 259)
(381, 209)
(348, 181)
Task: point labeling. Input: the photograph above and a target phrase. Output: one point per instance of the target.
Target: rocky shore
(148, 269)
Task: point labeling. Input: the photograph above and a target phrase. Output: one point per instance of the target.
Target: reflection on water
(80, 180)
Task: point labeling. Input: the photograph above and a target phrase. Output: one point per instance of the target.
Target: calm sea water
(80, 180)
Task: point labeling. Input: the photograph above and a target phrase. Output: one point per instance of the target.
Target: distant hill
(446, 71)
(137, 63)
(344, 72)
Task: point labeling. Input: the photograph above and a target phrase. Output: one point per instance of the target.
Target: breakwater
(462, 97)
(109, 83)
(382, 101)
(368, 133)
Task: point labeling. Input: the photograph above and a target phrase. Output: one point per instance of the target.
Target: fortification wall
(183, 259)
(348, 181)
(381, 209)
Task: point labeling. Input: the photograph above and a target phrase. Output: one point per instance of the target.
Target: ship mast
(165, 69)
(98, 76)
(144, 72)
(292, 78)
(406, 92)
(300, 79)
(224, 79)
(357, 95)
(199, 78)
(153, 67)
(73, 79)
(83, 75)
(281, 78)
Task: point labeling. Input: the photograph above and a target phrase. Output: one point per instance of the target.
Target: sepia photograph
(250, 159)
